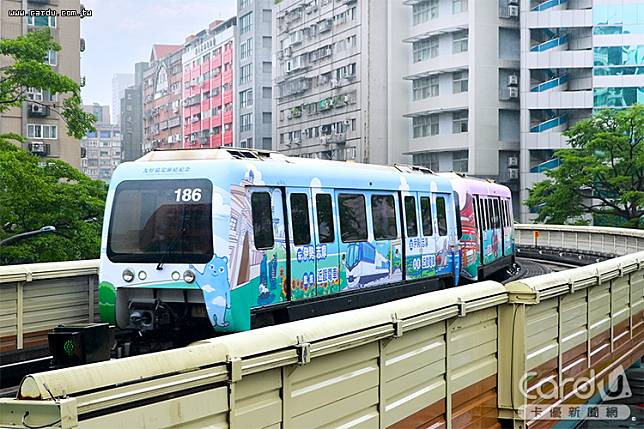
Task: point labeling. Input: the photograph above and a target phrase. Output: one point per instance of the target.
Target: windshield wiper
(170, 247)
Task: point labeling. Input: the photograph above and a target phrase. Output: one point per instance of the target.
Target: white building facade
(577, 56)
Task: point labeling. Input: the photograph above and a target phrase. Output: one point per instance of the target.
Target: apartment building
(120, 81)
(131, 122)
(102, 151)
(162, 96)
(463, 94)
(101, 113)
(37, 119)
(208, 86)
(330, 72)
(253, 71)
(576, 56)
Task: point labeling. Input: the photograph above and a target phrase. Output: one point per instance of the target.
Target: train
(233, 239)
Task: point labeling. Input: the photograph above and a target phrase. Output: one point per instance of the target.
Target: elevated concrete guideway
(453, 358)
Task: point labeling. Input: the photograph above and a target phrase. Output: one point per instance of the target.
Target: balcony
(441, 103)
(439, 64)
(440, 142)
(434, 27)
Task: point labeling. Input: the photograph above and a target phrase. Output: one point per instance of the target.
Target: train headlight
(142, 275)
(189, 276)
(128, 275)
(176, 275)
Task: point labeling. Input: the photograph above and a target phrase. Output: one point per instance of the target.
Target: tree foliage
(601, 175)
(36, 192)
(27, 70)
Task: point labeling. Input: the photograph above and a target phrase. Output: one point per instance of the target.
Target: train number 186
(188, 194)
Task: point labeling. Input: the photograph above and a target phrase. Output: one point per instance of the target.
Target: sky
(121, 33)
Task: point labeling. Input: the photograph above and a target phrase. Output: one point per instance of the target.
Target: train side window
(383, 214)
(508, 204)
(353, 217)
(490, 214)
(411, 222)
(260, 203)
(426, 216)
(497, 217)
(457, 211)
(300, 219)
(441, 216)
(504, 217)
(326, 229)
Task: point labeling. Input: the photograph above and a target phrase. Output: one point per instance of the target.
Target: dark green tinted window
(353, 217)
(410, 217)
(300, 219)
(383, 215)
(262, 220)
(325, 218)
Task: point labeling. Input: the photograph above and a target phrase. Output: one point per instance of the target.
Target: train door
(303, 250)
(443, 245)
(326, 242)
(505, 223)
(486, 240)
(357, 254)
(428, 236)
(509, 245)
(411, 237)
(267, 258)
(480, 227)
(386, 238)
(497, 239)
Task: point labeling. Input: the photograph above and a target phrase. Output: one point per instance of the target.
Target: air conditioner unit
(513, 173)
(513, 161)
(513, 11)
(513, 80)
(513, 2)
(347, 122)
(37, 108)
(37, 147)
(513, 92)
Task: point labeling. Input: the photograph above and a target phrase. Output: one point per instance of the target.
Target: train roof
(301, 172)
(464, 183)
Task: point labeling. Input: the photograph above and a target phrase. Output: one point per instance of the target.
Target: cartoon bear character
(216, 287)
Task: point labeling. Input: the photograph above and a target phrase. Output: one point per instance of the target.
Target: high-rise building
(102, 151)
(120, 81)
(577, 56)
(162, 110)
(331, 69)
(463, 94)
(208, 86)
(101, 113)
(132, 116)
(253, 71)
(37, 120)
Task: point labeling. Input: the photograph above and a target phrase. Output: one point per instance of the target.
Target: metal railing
(35, 298)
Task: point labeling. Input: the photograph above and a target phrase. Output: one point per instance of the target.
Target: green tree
(28, 70)
(601, 175)
(36, 192)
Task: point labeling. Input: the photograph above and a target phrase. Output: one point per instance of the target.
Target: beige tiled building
(45, 130)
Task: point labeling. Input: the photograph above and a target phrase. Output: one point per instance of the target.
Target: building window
(39, 131)
(245, 3)
(460, 82)
(246, 98)
(425, 87)
(41, 21)
(459, 121)
(246, 23)
(459, 42)
(426, 159)
(459, 161)
(267, 118)
(425, 49)
(425, 126)
(459, 6)
(267, 92)
(246, 122)
(34, 94)
(51, 58)
(246, 49)
(244, 73)
(424, 11)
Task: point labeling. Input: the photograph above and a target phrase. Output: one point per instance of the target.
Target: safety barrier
(456, 357)
(34, 298)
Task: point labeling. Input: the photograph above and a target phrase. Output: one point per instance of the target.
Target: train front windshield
(161, 221)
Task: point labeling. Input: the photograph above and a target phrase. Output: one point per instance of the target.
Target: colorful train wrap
(240, 238)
